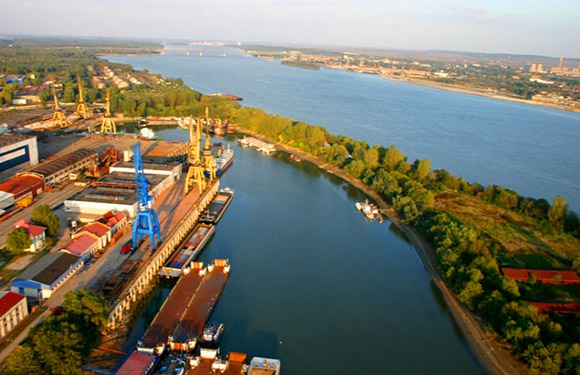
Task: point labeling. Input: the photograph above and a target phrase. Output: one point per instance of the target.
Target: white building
(13, 309)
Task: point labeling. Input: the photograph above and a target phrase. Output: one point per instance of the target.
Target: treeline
(466, 255)
(59, 344)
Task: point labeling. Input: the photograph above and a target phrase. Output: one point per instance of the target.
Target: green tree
(18, 241)
(44, 216)
(557, 212)
(22, 361)
(422, 168)
(392, 157)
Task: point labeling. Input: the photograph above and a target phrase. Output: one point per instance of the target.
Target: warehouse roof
(63, 162)
(8, 139)
(108, 195)
(49, 268)
(80, 244)
(20, 183)
(98, 229)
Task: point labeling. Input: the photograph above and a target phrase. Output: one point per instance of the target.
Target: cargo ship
(192, 246)
(224, 160)
(217, 208)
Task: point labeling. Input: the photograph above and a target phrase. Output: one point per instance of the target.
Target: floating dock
(217, 208)
(257, 144)
(163, 325)
(200, 308)
(196, 241)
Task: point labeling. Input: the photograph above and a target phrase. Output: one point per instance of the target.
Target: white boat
(264, 366)
(358, 206)
(370, 210)
(147, 133)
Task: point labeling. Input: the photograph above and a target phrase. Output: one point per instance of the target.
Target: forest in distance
(475, 230)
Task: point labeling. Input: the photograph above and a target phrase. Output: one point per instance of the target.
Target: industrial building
(83, 245)
(19, 188)
(116, 191)
(17, 149)
(59, 169)
(13, 309)
(42, 278)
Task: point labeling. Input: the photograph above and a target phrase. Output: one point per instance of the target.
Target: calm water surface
(530, 149)
(316, 285)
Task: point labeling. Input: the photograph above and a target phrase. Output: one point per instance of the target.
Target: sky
(540, 27)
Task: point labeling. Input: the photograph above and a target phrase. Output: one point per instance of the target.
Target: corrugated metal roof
(8, 301)
(137, 364)
(63, 162)
(19, 184)
(97, 228)
(49, 268)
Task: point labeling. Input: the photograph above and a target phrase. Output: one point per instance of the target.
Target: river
(315, 284)
(312, 282)
(530, 149)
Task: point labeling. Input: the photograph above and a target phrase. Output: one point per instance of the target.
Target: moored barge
(216, 209)
(191, 248)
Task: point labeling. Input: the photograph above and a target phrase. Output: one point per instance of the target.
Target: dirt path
(491, 354)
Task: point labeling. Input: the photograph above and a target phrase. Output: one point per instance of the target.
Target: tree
(422, 168)
(22, 361)
(557, 212)
(18, 241)
(392, 157)
(44, 216)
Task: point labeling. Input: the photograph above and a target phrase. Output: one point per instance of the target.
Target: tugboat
(264, 366)
(212, 332)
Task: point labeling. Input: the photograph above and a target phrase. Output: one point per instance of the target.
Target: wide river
(530, 149)
(312, 282)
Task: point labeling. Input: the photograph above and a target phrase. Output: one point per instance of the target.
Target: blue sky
(509, 26)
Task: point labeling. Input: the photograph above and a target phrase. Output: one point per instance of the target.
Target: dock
(201, 306)
(171, 311)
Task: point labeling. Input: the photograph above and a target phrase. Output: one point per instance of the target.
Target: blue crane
(146, 219)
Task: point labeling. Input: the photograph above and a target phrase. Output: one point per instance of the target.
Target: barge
(191, 248)
(224, 161)
(257, 144)
(191, 323)
(216, 209)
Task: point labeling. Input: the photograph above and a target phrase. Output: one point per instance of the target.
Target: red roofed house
(556, 307)
(13, 310)
(84, 245)
(115, 221)
(36, 233)
(100, 230)
(543, 276)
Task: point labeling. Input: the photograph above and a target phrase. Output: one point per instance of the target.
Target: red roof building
(115, 221)
(36, 233)
(23, 185)
(13, 309)
(552, 277)
(100, 230)
(558, 308)
(84, 245)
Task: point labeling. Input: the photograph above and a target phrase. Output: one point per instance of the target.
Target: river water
(315, 284)
(312, 282)
(530, 149)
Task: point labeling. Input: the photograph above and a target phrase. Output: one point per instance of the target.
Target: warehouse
(18, 188)
(17, 149)
(46, 275)
(117, 191)
(59, 169)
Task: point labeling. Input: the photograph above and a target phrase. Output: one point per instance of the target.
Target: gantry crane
(108, 122)
(195, 171)
(146, 222)
(209, 163)
(58, 117)
(82, 109)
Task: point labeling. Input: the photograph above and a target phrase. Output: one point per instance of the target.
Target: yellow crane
(209, 163)
(82, 109)
(195, 174)
(58, 117)
(108, 125)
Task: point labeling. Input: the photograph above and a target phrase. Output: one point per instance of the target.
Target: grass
(527, 242)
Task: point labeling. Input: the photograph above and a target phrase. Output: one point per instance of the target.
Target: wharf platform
(207, 364)
(172, 309)
(201, 306)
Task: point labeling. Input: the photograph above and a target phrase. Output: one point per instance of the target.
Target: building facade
(13, 309)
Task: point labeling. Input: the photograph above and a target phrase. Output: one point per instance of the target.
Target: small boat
(295, 158)
(370, 210)
(212, 332)
(264, 366)
(358, 206)
(243, 142)
(147, 133)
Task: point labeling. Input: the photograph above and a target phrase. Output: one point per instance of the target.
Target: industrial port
(134, 211)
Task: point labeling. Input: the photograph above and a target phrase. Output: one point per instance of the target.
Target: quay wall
(140, 283)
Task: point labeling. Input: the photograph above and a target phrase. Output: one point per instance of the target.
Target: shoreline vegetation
(464, 232)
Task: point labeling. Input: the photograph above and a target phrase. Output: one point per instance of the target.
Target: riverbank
(490, 353)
